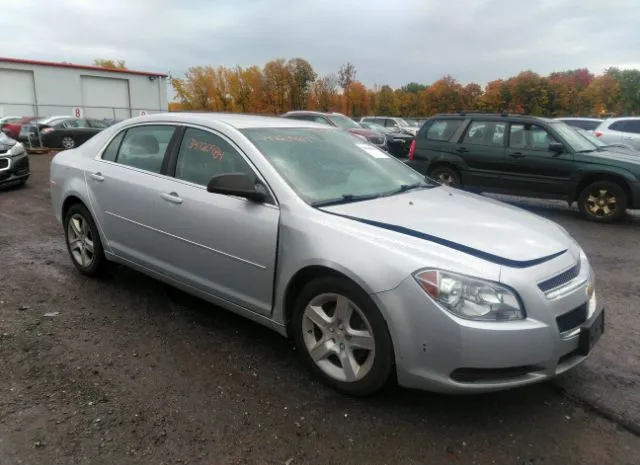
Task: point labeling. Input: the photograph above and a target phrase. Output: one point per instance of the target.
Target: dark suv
(528, 156)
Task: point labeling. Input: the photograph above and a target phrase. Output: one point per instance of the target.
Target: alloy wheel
(338, 337)
(80, 240)
(445, 178)
(68, 143)
(601, 203)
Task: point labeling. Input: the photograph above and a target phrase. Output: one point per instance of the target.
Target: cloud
(390, 43)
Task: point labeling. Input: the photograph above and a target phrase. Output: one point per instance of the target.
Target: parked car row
(53, 132)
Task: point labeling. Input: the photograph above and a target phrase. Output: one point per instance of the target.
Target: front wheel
(68, 142)
(343, 337)
(603, 202)
(445, 175)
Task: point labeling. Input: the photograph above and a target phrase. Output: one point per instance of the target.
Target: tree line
(283, 85)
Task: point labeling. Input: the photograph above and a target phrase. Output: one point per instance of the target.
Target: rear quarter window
(442, 130)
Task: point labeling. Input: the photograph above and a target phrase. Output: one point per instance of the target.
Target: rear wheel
(83, 241)
(343, 337)
(445, 175)
(603, 201)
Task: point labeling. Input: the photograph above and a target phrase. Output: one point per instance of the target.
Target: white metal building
(39, 88)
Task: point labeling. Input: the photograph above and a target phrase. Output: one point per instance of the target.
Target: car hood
(364, 132)
(469, 223)
(613, 154)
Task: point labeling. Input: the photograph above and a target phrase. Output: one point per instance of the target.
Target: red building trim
(72, 66)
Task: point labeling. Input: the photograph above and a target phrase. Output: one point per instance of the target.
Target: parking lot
(127, 370)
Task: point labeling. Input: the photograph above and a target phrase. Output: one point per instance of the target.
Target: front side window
(442, 130)
(529, 136)
(144, 147)
(203, 155)
(322, 165)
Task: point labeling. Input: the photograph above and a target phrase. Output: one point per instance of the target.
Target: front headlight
(471, 298)
(17, 149)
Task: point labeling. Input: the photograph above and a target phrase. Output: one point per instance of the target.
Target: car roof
(236, 120)
(474, 114)
(578, 118)
(622, 118)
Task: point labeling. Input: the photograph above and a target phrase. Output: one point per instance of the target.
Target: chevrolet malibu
(375, 272)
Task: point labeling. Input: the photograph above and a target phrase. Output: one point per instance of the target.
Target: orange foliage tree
(282, 85)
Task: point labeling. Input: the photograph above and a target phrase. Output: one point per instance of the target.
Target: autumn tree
(443, 96)
(107, 63)
(195, 90)
(277, 79)
(302, 77)
(324, 91)
(346, 75)
(386, 102)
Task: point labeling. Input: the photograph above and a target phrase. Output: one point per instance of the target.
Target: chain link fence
(96, 117)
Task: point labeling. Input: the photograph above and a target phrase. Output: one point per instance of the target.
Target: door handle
(97, 176)
(516, 155)
(461, 150)
(172, 197)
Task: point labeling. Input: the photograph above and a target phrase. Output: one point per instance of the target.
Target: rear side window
(633, 126)
(442, 130)
(487, 133)
(144, 147)
(111, 152)
(618, 126)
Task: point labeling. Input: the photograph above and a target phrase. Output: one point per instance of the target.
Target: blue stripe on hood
(453, 245)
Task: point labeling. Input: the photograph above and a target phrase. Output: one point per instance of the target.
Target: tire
(79, 231)
(67, 142)
(371, 367)
(603, 202)
(446, 175)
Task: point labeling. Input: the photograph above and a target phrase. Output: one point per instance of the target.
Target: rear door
(482, 150)
(631, 133)
(127, 185)
(531, 167)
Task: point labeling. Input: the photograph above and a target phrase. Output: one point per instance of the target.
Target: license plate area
(590, 333)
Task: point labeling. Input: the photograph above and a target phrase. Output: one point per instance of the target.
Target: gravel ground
(125, 370)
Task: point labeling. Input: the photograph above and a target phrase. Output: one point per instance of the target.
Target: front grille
(21, 165)
(572, 319)
(4, 163)
(560, 280)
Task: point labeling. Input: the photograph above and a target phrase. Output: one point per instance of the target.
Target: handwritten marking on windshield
(205, 147)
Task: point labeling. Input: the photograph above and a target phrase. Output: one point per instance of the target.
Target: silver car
(374, 272)
(622, 130)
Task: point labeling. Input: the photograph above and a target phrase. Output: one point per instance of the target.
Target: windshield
(375, 127)
(402, 123)
(344, 122)
(590, 137)
(322, 165)
(577, 142)
(413, 123)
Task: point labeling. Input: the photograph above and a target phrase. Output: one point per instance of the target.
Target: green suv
(528, 156)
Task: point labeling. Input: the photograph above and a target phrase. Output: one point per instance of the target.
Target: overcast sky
(390, 42)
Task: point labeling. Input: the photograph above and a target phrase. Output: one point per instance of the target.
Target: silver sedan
(375, 272)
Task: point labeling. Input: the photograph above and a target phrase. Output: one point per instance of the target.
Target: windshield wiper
(346, 198)
(408, 187)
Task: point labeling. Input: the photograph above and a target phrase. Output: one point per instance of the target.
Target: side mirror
(556, 147)
(236, 184)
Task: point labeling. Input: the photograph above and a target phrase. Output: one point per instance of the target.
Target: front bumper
(14, 169)
(437, 351)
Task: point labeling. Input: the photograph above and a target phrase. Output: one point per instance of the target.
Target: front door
(532, 168)
(223, 245)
